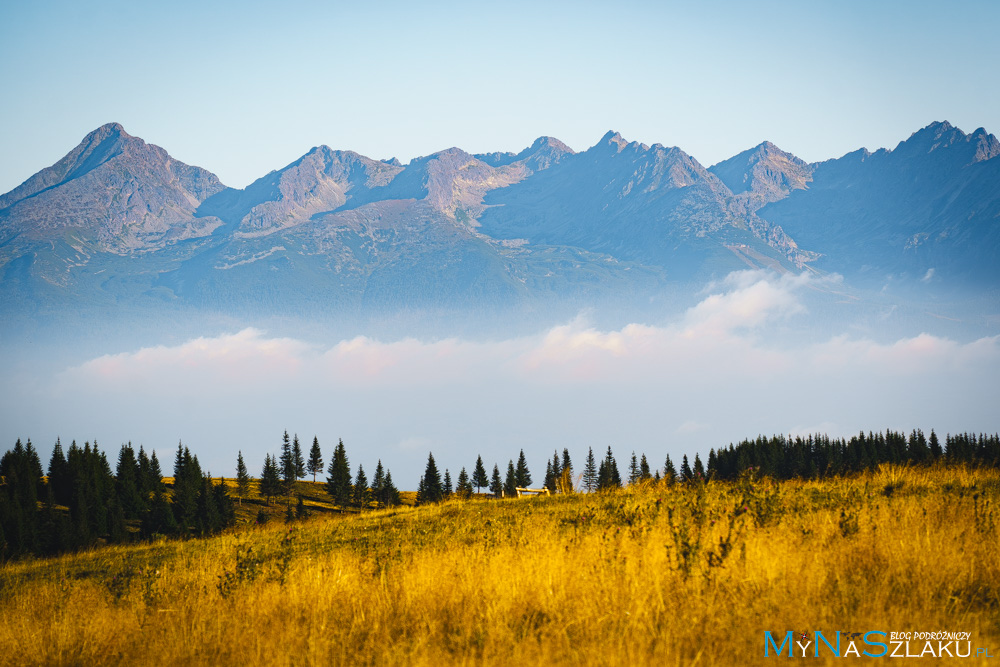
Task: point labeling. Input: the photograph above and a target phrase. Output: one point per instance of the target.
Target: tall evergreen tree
(315, 463)
(686, 473)
(270, 479)
(286, 465)
(496, 486)
(242, 478)
(464, 486)
(510, 484)
(633, 469)
(669, 472)
(361, 493)
(644, 469)
(699, 468)
(431, 490)
(338, 481)
(523, 475)
(59, 477)
(447, 484)
(479, 479)
(567, 463)
(378, 483)
(590, 471)
(297, 460)
(390, 494)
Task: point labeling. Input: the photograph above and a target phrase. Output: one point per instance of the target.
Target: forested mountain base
(655, 573)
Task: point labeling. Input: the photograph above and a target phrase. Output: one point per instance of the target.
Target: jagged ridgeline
(81, 502)
(118, 223)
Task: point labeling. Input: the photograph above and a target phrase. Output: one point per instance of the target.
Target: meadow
(650, 574)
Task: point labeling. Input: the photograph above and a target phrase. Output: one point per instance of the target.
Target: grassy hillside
(649, 575)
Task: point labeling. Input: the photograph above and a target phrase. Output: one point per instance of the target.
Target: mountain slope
(928, 209)
(117, 192)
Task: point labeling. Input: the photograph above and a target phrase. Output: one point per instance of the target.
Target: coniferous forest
(81, 500)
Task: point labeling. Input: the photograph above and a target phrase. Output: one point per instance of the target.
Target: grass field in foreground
(648, 575)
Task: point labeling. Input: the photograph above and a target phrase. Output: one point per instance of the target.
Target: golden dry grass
(651, 575)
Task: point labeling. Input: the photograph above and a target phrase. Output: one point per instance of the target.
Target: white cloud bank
(715, 375)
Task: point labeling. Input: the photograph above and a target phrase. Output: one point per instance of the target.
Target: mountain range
(118, 223)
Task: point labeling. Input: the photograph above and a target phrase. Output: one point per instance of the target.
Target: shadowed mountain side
(926, 210)
(654, 205)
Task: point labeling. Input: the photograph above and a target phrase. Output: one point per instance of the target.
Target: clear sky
(242, 88)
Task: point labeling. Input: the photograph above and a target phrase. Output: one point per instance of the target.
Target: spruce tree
(616, 478)
(378, 483)
(297, 459)
(361, 488)
(669, 472)
(479, 479)
(590, 471)
(567, 463)
(686, 474)
(549, 482)
(699, 469)
(338, 481)
(496, 486)
(430, 490)
(270, 480)
(315, 463)
(390, 493)
(523, 474)
(286, 465)
(510, 484)
(59, 479)
(644, 469)
(464, 488)
(633, 470)
(242, 478)
(447, 484)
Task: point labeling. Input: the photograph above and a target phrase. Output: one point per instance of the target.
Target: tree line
(82, 502)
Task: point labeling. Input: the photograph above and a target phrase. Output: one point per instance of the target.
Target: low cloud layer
(716, 374)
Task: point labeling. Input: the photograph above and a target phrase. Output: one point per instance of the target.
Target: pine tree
(699, 469)
(297, 460)
(130, 500)
(361, 493)
(608, 475)
(242, 478)
(338, 481)
(390, 494)
(935, 446)
(523, 474)
(155, 474)
(286, 465)
(496, 486)
(464, 488)
(549, 482)
(669, 472)
(59, 479)
(430, 490)
(378, 483)
(270, 480)
(479, 478)
(567, 464)
(510, 484)
(633, 470)
(644, 469)
(315, 463)
(686, 474)
(447, 484)
(590, 471)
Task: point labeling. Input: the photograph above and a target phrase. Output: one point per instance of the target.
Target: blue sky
(242, 88)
